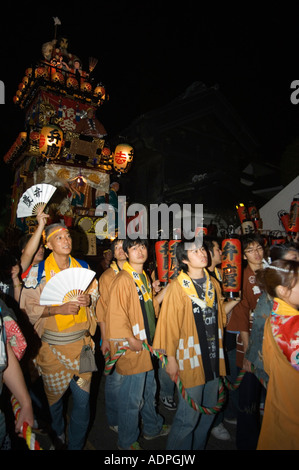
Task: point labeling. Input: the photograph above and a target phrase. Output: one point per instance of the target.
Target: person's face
(197, 258)
(254, 253)
(291, 296)
(119, 253)
(39, 255)
(216, 253)
(137, 254)
(60, 242)
(292, 255)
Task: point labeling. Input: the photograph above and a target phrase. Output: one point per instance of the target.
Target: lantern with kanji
(50, 141)
(242, 212)
(231, 267)
(173, 266)
(122, 158)
(294, 216)
(161, 249)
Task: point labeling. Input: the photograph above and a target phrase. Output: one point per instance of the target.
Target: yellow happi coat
(176, 334)
(105, 282)
(59, 363)
(124, 320)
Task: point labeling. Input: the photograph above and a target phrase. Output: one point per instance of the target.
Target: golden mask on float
(50, 141)
(123, 158)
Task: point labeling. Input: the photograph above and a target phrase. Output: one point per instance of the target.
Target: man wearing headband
(64, 331)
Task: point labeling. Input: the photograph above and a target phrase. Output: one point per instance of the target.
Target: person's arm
(17, 284)
(14, 380)
(34, 241)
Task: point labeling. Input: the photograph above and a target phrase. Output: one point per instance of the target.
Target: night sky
(150, 52)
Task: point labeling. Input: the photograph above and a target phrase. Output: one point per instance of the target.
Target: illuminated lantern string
(173, 267)
(161, 248)
(50, 141)
(294, 216)
(123, 158)
(231, 267)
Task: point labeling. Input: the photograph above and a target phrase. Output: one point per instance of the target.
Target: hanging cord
(110, 362)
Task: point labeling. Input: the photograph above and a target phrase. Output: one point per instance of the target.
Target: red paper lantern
(72, 82)
(173, 267)
(231, 267)
(284, 219)
(161, 249)
(294, 216)
(242, 212)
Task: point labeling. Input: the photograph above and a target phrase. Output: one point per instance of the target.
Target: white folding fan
(33, 198)
(66, 286)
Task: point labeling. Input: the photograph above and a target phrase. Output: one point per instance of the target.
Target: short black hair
(208, 242)
(250, 238)
(114, 243)
(182, 252)
(128, 243)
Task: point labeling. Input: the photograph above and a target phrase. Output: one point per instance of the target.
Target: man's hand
(172, 368)
(135, 344)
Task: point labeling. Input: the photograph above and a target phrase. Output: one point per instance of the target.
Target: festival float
(64, 144)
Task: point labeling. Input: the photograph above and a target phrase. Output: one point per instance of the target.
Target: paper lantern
(294, 216)
(284, 219)
(247, 226)
(231, 267)
(100, 92)
(57, 77)
(161, 249)
(72, 82)
(86, 87)
(122, 158)
(173, 266)
(42, 72)
(50, 141)
(242, 212)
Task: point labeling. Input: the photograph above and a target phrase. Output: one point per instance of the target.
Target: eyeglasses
(252, 250)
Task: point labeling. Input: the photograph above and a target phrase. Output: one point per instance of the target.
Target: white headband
(267, 265)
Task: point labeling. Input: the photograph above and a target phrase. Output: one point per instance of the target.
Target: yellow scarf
(147, 293)
(114, 266)
(188, 286)
(64, 321)
(282, 308)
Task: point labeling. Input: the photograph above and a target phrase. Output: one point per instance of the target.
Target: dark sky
(150, 52)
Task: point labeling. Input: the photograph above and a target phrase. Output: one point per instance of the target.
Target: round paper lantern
(86, 87)
(28, 72)
(42, 72)
(72, 82)
(100, 92)
(122, 158)
(247, 226)
(231, 267)
(161, 249)
(57, 77)
(50, 141)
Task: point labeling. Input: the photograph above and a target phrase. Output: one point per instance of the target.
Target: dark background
(150, 52)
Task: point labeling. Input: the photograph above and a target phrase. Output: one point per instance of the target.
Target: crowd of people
(185, 331)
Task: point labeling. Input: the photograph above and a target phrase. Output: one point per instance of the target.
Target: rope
(26, 430)
(110, 362)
